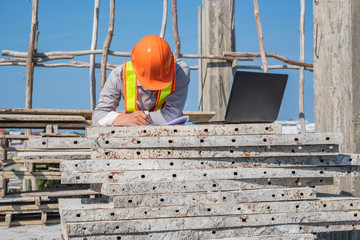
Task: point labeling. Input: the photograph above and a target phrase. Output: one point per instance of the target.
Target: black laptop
(255, 97)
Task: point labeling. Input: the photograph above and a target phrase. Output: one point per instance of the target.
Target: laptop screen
(255, 97)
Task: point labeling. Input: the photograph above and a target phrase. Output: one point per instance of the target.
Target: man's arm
(175, 102)
(105, 110)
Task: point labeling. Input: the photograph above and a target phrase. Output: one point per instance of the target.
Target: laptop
(255, 97)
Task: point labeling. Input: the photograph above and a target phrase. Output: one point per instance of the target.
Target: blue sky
(67, 26)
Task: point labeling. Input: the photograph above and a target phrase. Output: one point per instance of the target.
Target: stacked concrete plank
(205, 182)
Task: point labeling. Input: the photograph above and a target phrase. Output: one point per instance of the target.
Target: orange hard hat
(153, 62)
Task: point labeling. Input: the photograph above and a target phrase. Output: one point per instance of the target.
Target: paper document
(178, 121)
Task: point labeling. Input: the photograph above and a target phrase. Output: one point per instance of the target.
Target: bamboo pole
(164, 18)
(260, 33)
(107, 43)
(232, 35)
(273, 55)
(92, 56)
(29, 60)
(301, 73)
(175, 28)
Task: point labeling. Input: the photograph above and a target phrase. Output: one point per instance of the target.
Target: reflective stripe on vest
(130, 90)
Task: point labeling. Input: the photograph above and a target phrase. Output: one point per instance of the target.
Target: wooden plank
(39, 118)
(106, 212)
(220, 152)
(183, 130)
(171, 224)
(61, 125)
(229, 232)
(53, 193)
(168, 199)
(206, 174)
(188, 141)
(111, 189)
(87, 114)
(26, 207)
(172, 164)
(14, 175)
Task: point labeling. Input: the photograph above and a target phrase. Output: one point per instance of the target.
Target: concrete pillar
(215, 37)
(337, 81)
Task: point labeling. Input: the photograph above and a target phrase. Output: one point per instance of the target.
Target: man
(153, 85)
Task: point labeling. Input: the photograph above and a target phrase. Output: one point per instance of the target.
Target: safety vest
(130, 90)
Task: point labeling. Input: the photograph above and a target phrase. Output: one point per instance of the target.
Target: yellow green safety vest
(130, 90)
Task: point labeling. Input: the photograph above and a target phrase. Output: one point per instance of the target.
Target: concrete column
(337, 82)
(215, 35)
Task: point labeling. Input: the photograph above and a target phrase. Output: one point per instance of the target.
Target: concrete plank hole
(327, 138)
(233, 140)
(239, 208)
(214, 185)
(236, 129)
(355, 215)
(321, 160)
(107, 142)
(266, 128)
(78, 215)
(293, 172)
(244, 220)
(177, 211)
(112, 214)
(175, 130)
(235, 173)
(162, 200)
(269, 183)
(170, 141)
(142, 176)
(321, 180)
(174, 175)
(206, 130)
(75, 142)
(296, 139)
(118, 238)
(43, 143)
(154, 188)
(324, 205)
(297, 206)
(138, 153)
(201, 140)
(213, 232)
(301, 194)
(321, 172)
(273, 195)
(264, 140)
(351, 205)
(130, 201)
(110, 177)
(145, 212)
(138, 142)
(76, 165)
(209, 209)
(117, 227)
(265, 172)
(77, 178)
(106, 153)
(231, 151)
(202, 163)
(171, 164)
(268, 207)
(144, 131)
(112, 132)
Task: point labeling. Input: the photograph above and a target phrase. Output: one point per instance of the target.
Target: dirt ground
(31, 232)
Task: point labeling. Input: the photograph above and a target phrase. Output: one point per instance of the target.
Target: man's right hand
(135, 118)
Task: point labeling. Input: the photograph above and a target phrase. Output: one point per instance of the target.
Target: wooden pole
(29, 60)
(107, 43)
(92, 56)
(164, 19)
(260, 33)
(232, 35)
(302, 70)
(175, 28)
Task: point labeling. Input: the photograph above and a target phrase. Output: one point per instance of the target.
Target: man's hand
(135, 118)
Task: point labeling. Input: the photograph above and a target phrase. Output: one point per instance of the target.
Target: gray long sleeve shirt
(110, 96)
